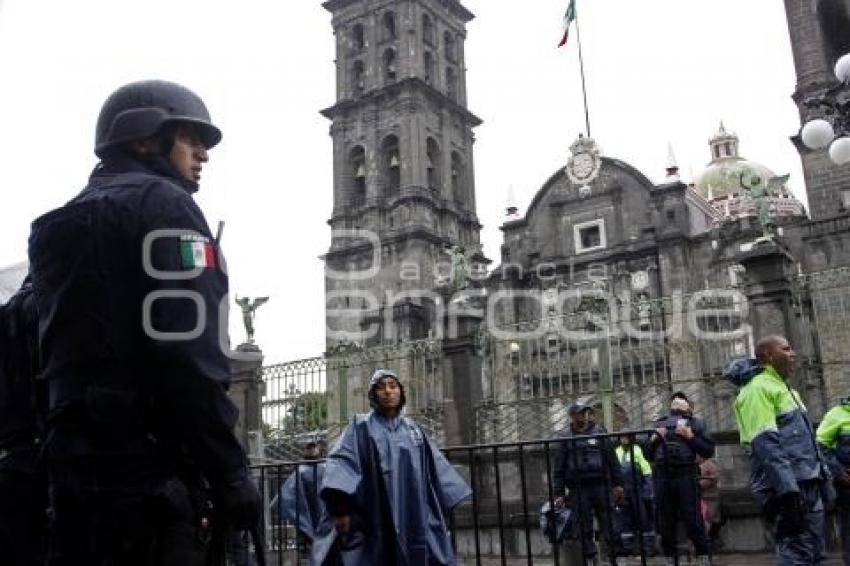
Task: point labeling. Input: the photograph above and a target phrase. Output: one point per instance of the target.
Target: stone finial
(672, 166)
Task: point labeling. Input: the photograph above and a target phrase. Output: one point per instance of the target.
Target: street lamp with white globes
(831, 128)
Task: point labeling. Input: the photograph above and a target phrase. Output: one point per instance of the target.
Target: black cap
(680, 395)
(578, 407)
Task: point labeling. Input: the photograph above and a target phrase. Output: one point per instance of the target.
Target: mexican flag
(569, 16)
(196, 252)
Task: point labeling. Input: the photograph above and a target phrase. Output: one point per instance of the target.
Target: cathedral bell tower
(820, 33)
(404, 189)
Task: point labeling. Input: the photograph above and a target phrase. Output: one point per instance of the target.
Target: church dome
(728, 179)
(723, 177)
(724, 174)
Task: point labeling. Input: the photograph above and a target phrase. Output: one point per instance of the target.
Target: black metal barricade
(501, 523)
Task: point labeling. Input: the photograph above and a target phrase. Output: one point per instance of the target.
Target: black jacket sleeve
(185, 310)
(652, 447)
(701, 443)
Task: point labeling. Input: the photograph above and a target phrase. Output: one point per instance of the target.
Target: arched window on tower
(357, 170)
(450, 46)
(358, 37)
(458, 179)
(451, 83)
(358, 78)
(389, 28)
(428, 64)
(433, 164)
(427, 29)
(391, 164)
(389, 66)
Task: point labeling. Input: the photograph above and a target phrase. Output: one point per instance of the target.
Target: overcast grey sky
(658, 71)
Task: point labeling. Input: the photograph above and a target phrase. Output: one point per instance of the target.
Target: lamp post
(830, 108)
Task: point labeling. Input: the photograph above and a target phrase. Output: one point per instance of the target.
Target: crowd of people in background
(623, 488)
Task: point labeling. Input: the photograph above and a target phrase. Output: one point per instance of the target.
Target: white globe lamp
(842, 68)
(839, 151)
(817, 134)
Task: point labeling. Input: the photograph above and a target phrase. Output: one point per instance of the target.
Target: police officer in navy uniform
(586, 468)
(678, 439)
(129, 285)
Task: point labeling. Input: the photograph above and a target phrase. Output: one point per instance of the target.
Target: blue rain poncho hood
(373, 384)
(741, 370)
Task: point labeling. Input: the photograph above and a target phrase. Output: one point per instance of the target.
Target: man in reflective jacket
(387, 488)
(786, 471)
(129, 285)
(631, 515)
(587, 477)
(833, 436)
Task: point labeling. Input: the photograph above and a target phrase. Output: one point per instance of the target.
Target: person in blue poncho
(299, 499)
(387, 488)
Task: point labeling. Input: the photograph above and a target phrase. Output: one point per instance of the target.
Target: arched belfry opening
(391, 165)
(357, 174)
(433, 165)
(389, 32)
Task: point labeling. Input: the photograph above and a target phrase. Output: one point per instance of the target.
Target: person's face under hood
(388, 396)
(582, 420)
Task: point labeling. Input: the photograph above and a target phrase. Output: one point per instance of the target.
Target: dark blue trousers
(588, 499)
(807, 546)
(677, 497)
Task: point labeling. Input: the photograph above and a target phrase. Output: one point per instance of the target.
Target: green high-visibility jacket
(834, 437)
(776, 435)
(624, 457)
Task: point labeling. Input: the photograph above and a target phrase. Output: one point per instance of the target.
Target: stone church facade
(722, 261)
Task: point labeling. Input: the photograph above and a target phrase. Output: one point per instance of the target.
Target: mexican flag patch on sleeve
(196, 252)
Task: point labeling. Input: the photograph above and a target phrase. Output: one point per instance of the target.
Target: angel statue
(761, 192)
(249, 309)
(463, 262)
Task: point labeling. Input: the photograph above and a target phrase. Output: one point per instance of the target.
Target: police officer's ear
(147, 148)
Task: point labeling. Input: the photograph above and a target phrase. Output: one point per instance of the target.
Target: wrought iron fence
(624, 355)
(312, 399)
(501, 522)
(624, 358)
(822, 300)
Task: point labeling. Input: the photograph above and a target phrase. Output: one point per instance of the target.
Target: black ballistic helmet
(139, 110)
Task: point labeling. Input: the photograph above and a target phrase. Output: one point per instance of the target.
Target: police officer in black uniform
(679, 437)
(585, 469)
(23, 485)
(129, 285)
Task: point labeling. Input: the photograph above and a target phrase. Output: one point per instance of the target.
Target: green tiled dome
(723, 176)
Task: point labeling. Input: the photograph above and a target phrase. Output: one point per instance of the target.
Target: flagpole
(583, 87)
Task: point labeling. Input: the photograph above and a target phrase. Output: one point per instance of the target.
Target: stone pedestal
(246, 392)
(462, 365)
(770, 269)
